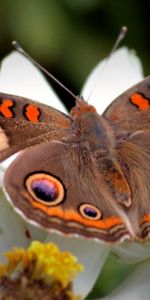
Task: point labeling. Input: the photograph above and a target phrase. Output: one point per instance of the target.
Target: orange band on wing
(71, 215)
(139, 100)
(32, 113)
(5, 108)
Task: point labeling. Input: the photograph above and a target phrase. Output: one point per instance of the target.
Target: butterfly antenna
(120, 37)
(21, 50)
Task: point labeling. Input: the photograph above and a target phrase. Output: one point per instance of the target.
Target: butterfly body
(81, 174)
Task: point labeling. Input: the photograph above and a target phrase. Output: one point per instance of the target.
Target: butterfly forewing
(130, 112)
(24, 123)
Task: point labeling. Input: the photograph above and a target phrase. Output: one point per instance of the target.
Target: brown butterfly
(81, 174)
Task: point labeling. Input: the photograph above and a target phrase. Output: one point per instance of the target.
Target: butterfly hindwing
(56, 192)
(134, 152)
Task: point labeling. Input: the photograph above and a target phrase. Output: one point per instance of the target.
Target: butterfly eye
(45, 188)
(90, 212)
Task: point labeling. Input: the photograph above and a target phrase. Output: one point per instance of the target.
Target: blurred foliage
(112, 275)
(69, 37)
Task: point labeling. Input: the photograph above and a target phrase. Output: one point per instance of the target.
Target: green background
(69, 37)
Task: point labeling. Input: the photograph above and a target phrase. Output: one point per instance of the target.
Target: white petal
(136, 287)
(91, 254)
(2, 170)
(111, 77)
(5, 164)
(132, 252)
(13, 229)
(20, 77)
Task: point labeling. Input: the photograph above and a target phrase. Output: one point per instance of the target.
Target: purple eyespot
(45, 188)
(90, 212)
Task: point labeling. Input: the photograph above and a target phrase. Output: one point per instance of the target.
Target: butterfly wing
(134, 153)
(129, 115)
(130, 112)
(53, 186)
(25, 123)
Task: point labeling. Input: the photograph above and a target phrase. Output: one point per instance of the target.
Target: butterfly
(80, 174)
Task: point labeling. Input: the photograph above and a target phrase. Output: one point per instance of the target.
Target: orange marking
(146, 218)
(5, 108)
(118, 182)
(32, 113)
(71, 215)
(140, 101)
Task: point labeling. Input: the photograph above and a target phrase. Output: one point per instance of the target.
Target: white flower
(109, 79)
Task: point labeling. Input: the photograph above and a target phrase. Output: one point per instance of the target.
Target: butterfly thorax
(94, 139)
(81, 107)
(90, 128)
